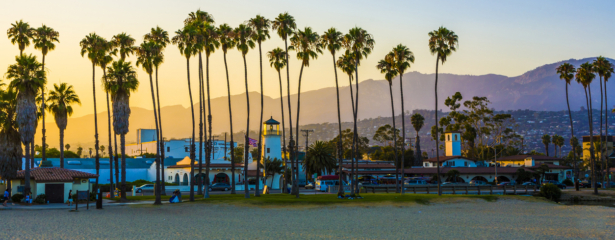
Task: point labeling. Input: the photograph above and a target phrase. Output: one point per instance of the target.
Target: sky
(499, 37)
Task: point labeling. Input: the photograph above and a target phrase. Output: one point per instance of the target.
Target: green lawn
(320, 199)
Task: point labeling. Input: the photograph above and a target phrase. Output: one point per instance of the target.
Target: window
(168, 149)
(456, 136)
(267, 150)
(186, 149)
(76, 181)
(465, 164)
(449, 137)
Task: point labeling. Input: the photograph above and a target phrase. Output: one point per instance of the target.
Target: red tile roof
(54, 174)
(213, 165)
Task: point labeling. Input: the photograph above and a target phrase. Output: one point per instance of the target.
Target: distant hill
(538, 89)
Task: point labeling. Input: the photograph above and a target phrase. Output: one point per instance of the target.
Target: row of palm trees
(557, 140)
(585, 75)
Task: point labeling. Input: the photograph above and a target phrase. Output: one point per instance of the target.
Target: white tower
(272, 147)
(452, 143)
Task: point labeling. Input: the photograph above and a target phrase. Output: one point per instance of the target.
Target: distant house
(54, 182)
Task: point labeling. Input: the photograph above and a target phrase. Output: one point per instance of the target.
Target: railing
(454, 189)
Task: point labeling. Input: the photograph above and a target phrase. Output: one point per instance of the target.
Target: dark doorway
(54, 193)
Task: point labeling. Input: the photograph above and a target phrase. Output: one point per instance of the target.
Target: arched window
(449, 137)
(456, 136)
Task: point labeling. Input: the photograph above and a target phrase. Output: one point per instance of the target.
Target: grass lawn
(320, 199)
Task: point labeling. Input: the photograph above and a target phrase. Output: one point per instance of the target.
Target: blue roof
(271, 121)
(90, 163)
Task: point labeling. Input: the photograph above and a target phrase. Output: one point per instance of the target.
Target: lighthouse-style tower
(452, 143)
(272, 146)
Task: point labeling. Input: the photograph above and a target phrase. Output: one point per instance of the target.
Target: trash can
(99, 197)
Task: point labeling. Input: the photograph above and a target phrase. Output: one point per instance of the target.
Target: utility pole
(306, 134)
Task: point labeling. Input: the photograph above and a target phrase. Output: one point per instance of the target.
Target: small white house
(54, 182)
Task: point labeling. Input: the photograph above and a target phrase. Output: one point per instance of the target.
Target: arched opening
(456, 180)
(199, 179)
(185, 181)
(503, 179)
(480, 178)
(221, 178)
(176, 179)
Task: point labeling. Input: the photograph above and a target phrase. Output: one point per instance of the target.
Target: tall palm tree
(210, 44)
(600, 66)
(184, 39)
(60, 102)
(285, 26)
(44, 40)
(566, 72)
(277, 60)
(442, 43)
(120, 81)
(585, 76)
(27, 78)
(161, 38)
(546, 140)
(346, 63)
(308, 45)
(243, 38)
(10, 153)
(417, 121)
(93, 45)
(20, 33)
(609, 71)
(146, 56)
(360, 43)
(387, 66)
(332, 40)
(103, 61)
(124, 44)
(402, 60)
(227, 41)
(260, 26)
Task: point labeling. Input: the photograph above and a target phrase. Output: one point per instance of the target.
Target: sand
(465, 219)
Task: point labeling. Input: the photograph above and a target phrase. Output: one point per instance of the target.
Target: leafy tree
(20, 33)
(453, 174)
(320, 159)
(417, 121)
(566, 72)
(384, 134)
(272, 167)
(59, 104)
(79, 151)
(11, 152)
(546, 140)
(585, 76)
(347, 136)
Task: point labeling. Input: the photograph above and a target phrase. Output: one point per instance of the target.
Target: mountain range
(538, 89)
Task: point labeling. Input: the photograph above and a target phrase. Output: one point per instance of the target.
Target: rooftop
(54, 174)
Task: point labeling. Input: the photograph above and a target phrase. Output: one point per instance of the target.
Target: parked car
(309, 185)
(147, 187)
(558, 184)
(446, 183)
(220, 187)
(478, 183)
(415, 182)
(529, 184)
(589, 184)
(502, 184)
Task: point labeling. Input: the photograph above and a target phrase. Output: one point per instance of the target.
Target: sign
(82, 195)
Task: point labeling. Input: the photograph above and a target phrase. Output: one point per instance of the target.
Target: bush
(551, 192)
(16, 197)
(41, 199)
(568, 182)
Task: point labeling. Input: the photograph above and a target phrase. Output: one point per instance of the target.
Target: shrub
(41, 199)
(551, 192)
(16, 197)
(568, 182)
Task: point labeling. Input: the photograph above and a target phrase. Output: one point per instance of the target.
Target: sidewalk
(56, 206)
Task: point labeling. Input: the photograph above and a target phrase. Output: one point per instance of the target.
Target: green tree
(120, 82)
(272, 167)
(585, 76)
(387, 67)
(27, 78)
(601, 66)
(319, 159)
(10, 143)
(243, 37)
(607, 74)
(384, 134)
(104, 60)
(417, 121)
(59, 103)
(566, 72)
(20, 33)
(124, 44)
(67, 146)
(402, 59)
(227, 41)
(546, 140)
(442, 43)
(184, 39)
(453, 174)
(79, 151)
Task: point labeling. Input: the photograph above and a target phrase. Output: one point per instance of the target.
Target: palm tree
(387, 66)
(307, 44)
(44, 38)
(20, 33)
(103, 61)
(94, 46)
(417, 122)
(277, 60)
(601, 66)
(227, 41)
(607, 75)
(120, 81)
(161, 38)
(346, 63)
(360, 43)
(285, 26)
(146, 54)
(184, 39)
(124, 44)
(585, 76)
(243, 38)
(442, 43)
(546, 140)
(332, 40)
(27, 78)
(10, 153)
(320, 159)
(210, 44)
(59, 104)
(566, 72)
(273, 167)
(260, 26)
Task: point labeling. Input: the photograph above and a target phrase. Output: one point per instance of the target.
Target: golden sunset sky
(501, 37)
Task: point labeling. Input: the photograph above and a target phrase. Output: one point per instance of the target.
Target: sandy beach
(463, 219)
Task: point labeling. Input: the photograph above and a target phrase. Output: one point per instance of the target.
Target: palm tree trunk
(290, 121)
(437, 137)
(247, 142)
(591, 147)
(210, 142)
(27, 173)
(602, 145)
(297, 129)
(356, 131)
(33, 154)
(116, 157)
(61, 145)
(161, 139)
(110, 148)
(201, 103)
(43, 114)
(158, 188)
(285, 159)
(260, 131)
(606, 131)
(192, 145)
(340, 190)
(123, 151)
(95, 126)
(354, 112)
(394, 135)
(230, 117)
(403, 129)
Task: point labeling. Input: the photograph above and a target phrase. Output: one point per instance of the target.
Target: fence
(455, 189)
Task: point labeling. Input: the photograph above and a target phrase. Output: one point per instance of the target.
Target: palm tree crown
(443, 42)
(402, 58)
(124, 43)
(20, 33)
(417, 121)
(260, 26)
(332, 40)
(307, 44)
(44, 39)
(243, 38)
(566, 72)
(60, 102)
(277, 58)
(27, 75)
(387, 66)
(226, 37)
(184, 39)
(585, 74)
(284, 24)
